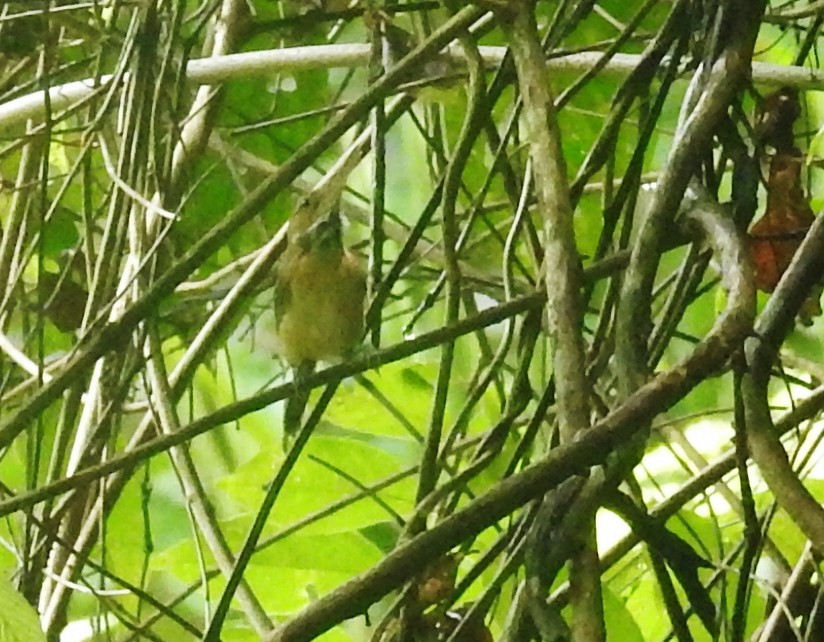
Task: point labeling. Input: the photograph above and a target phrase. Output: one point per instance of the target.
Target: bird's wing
(283, 293)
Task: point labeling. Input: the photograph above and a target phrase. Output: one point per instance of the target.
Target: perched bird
(319, 295)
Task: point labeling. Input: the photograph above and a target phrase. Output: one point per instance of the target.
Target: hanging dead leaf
(775, 237)
(774, 118)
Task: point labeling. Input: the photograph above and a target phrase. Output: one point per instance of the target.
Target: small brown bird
(319, 297)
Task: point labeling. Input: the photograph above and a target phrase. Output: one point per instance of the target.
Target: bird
(319, 296)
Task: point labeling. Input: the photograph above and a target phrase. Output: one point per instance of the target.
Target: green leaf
(18, 619)
(620, 622)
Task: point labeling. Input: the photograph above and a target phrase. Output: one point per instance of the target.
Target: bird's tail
(296, 402)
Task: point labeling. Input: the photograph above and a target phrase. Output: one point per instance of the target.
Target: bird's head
(324, 235)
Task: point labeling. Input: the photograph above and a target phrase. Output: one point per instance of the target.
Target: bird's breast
(324, 319)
